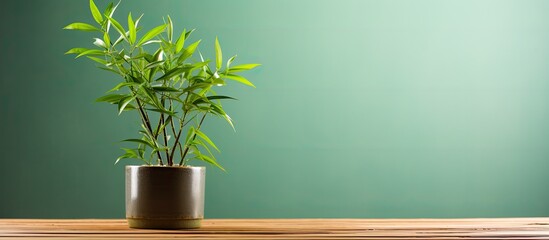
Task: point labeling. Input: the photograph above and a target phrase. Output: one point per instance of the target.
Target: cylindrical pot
(159, 197)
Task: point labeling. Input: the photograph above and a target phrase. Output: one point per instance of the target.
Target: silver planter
(159, 197)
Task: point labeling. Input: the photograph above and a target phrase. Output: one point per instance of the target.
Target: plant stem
(194, 137)
(145, 119)
(161, 122)
(178, 135)
(173, 132)
(144, 116)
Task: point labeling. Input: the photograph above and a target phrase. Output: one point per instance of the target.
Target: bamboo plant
(166, 81)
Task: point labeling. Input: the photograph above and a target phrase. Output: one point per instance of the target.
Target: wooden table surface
(490, 228)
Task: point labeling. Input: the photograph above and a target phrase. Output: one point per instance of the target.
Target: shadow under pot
(159, 197)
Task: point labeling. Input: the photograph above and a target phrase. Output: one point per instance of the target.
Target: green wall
(366, 109)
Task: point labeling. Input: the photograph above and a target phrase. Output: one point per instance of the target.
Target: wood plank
(489, 228)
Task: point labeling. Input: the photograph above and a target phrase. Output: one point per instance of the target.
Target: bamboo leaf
(153, 64)
(165, 89)
(107, 39)
(123, 84)
(95, 12)
(243, 67)
(152, 33)
(131, 28)
(206, 138)
(76, 50)
(218, 110)
(109, 69)
(220, 97)
(210, 161)
(170, 28)
(170, 113)
(187, 52)
(151, 95)
(141, 141)
(131, 153)
(118, 28)
(180, 42)
(230, 61)
(82, 27)
(100, 43)
(99, 60)
(108, 13)
(218, 54)
(91, 52)
(190, 134)
(173, 72)
(239, 79)
(111, 98)
(123, 103)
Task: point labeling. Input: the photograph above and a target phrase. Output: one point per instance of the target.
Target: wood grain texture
(498, 228)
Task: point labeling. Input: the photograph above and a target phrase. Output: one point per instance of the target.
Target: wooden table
(496, 228)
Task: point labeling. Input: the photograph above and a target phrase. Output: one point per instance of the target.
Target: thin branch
(145, 118)
(194, 137)
(173, 131)
(178, 135)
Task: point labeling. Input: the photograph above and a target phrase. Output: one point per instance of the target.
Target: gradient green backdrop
(362, 109)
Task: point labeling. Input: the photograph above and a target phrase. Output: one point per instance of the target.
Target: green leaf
(76, 50)
(205, 146)
(131, 27)
(82, 27)
(123, 103)
(91, 52)
(196, 86)
(131, 153)
(107, 39)
(159, 55)
(109, 9)
(243, 67)
(99, 60)
(137, 79)
(109, 69)
(170, 28)
(180, 42)
(165, 89)
(206, 138)
(100, 43)
(151, 95)
(239, 79)
(154, 64)
(188, 33)
(187, 52)
(108, 13)
(123, 84)
(95, 12)
(207, 99)
(162, 111)
(173, 72)
(210, 161)
(120, 39)
(152, 33)
(220, 97)
(111, 98)
(217, 109)
(141, 141)
(230, 61)
(118, 28)
(218, 54)
(190, 134)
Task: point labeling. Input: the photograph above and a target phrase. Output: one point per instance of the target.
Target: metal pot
(160, 197)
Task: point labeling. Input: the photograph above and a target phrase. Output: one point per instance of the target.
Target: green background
(366, 109)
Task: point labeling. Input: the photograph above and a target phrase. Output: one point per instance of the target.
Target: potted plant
(170, 86)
